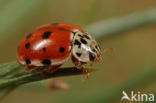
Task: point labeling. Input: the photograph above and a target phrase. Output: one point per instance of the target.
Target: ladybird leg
(75, 61)
(91, 63)
(29, 68)
(84, 69)
(43, 73)
(80, 66)
(102, 52)
(105, 50)
(53, 68)
(77, 65)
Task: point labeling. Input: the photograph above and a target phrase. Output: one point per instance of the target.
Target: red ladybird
(53, 44)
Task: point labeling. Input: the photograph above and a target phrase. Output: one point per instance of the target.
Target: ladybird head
(85, 48)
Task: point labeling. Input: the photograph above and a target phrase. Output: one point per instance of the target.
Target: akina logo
(137, 96)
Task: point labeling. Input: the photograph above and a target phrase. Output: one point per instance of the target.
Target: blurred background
(133, 50)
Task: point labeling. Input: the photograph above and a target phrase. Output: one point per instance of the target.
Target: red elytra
(48, 42)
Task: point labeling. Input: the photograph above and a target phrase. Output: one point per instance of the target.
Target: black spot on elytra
(76, 42)
(28, 61)
(46, 62)
(44, 49)
(91, 56)
(83, 41)
(46, 34)
(54, 23)
(28, 36)
(87, 37)
(62, 49)
(78, 54)
(27, 45)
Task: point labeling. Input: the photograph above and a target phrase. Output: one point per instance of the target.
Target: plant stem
(116, 25)
(25, 77)
(21, 76)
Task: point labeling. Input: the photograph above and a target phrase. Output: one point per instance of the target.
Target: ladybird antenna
(105, 50)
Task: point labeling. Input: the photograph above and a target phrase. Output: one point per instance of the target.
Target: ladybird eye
(91, 56)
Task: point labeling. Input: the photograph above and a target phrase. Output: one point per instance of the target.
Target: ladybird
(52, 45)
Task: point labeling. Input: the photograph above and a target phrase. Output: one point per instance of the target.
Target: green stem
(116, 25)
(30, 77)
(21, 76)
(9, 69)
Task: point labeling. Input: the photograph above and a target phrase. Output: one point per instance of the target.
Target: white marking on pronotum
(71, 36)
(75, 30)
(86, 48)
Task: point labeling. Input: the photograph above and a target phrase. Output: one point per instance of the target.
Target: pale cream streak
(69, 48)
(41, 44)
(86, 48)
(71, 36)
(75, 30)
